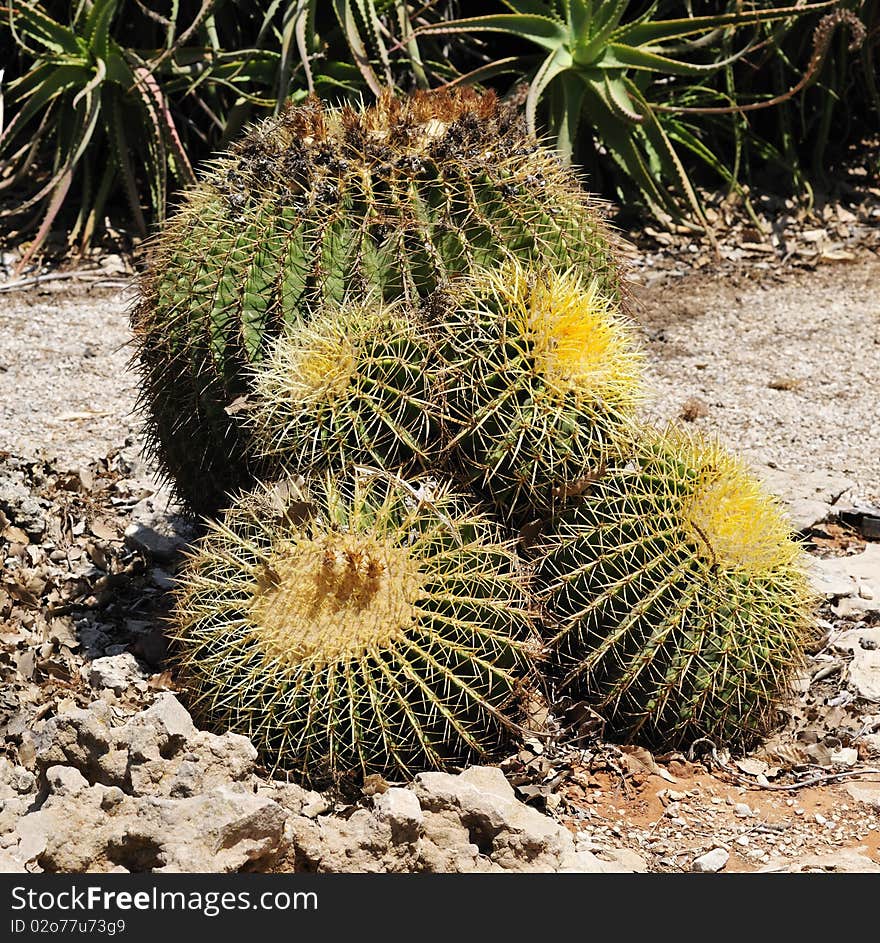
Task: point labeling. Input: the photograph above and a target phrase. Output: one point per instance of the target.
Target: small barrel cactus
(678, 599)
(353, 386)
(374, 627)
(544, 378)
(322, 205)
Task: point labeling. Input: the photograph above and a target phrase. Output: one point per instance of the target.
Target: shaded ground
(785, 366)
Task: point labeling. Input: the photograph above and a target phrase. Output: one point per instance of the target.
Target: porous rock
(157, 529)
(470, 822)
(158, 752)
(863, 672)
(99, 828)
(156, 794)
(711, 861)
(841, 860)
(852, 581)
(810, 496)
(116, 672)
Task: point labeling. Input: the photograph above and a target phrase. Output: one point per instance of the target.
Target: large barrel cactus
(678, 600)
(354, 628)
(322, 205)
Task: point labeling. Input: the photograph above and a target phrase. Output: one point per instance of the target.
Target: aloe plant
(79, 97)
(596, 59)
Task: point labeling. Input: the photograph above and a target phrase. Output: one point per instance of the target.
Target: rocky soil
(103, 769)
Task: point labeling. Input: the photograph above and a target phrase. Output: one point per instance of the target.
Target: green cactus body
(678, 599)
(348, 630)
(355, 385)
(543, 381)
(319, 205)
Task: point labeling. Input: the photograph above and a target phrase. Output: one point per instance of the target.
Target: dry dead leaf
(645, 762)
(103, 529)
(752, 766)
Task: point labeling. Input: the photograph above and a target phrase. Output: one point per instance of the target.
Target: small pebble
(710, 862)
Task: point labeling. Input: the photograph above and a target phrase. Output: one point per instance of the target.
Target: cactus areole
(325, 205)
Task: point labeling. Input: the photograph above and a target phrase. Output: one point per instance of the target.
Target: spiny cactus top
(543, 381)
(352, 629)
(678, 599)
(321, 204)
(355, 385)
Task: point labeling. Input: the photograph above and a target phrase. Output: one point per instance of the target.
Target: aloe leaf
(678, 132)
(570, 91)
(620, 142)
(302, 21)
(25, 84)
(85, 118)
(164, 124)
(55, 203)
(122, 154)
(347, 21)
(618, 100)
(94, 82)
(62, 79)
(558, 61)
(97, 27)
(669, 158)
(648, 32)
(34, 23)
(607, 21)
(96, 210)
(19, 165)
(411, 45)
(619, 55)
(484, 72)
(531, 7)
(582, 17)
(367, 10)
(542, 30)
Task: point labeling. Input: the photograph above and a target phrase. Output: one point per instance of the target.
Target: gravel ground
(65, 390)
(785, 365)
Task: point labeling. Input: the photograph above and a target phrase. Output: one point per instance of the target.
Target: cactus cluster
(394, 345)
(323, 205)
